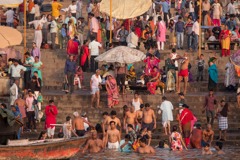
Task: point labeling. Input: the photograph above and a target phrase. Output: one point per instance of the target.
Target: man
(126, 144)
(183, 74)
(113, 118)
(21, 13)
(53, 31)
(22, 107)
(132, 133)
(34, 85)
(94, 25)
(70, 17)
(129, 119)
(165, 8)
(210, 101)
(206, 6)
(113, 136)
(80, 29)
(15, 71)
(51, 112)
(73, 8)
(149, 118)
(122, 34)
(29, 60)
(95, 83)
(56, 7)
(105, 127)
(30, 109)
(132, 39)
(192, 9)
(9, 14)
(78, 124)
(94, 52)
(38, 25)
(136, 101)
(79, 8)
(179, 29)
(195, 32)
(69, 71)
(139, 116)
(94, 145)
(14, 91)
(231, 8)
(231, 23)
(144, 148)
(208, 135)
(189, 30)
(167, 114)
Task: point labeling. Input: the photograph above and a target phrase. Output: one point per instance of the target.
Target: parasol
(124, 9)
(9, 37)
(121, 54)
(10, 3)
(235, 58)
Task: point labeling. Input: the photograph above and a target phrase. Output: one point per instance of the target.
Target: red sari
(151, 86)
(72, 47)
(50, 116)
(84, 55)
(112, 91)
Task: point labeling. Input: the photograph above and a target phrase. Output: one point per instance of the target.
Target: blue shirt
(63, 32)
(70, 66)
(165, 6)
(179, 26)
(126, 148)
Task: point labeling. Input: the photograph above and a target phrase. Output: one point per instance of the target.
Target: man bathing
(113, 136)
(94, 145)
(183, 74)
(78, 124)
(129, 119)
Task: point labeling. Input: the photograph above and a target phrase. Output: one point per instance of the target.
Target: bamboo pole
(200, 29)
(110, 21)
(25, 27)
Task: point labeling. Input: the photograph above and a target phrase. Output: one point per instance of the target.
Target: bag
(65, 87)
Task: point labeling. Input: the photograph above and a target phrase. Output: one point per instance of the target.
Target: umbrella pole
(25, 27)
(200, 29)
(110, 21)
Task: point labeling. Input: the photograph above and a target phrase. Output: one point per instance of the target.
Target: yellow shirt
(56, 9)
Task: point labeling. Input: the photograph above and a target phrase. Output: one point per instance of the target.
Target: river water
(162, 154)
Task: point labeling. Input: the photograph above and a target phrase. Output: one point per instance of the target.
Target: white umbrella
(9, 37)
(10, 3)
(121, 54)
(124, 9)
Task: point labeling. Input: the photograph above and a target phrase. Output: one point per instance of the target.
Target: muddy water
(162, 154)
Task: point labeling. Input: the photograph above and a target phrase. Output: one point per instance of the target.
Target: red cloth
(186, 116)
(72, 47)
(51, 113)
(138, 32)
(85, 54)
(183, 73)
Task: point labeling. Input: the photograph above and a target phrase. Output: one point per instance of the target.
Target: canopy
(10, 3)
(121, 54)
(9, 37)
(235, 58)
(124, 9)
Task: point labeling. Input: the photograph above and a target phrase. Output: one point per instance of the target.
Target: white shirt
(14, 90)
(166, 108)
(72, 8)
(95, 81)
(212, 38)
(136, 105)
(9, 14)
(174, 56)
(195, 28)
(15, 70)
(191, 7)
(53, 27)
(231, 9)
(94, 47)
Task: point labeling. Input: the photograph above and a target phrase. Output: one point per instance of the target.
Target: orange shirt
(30, 5)
(56, 7)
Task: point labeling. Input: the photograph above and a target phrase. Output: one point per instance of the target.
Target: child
(43, 135)
(63, 36)
(78, 77)
(218, 148)
(200, 67)
(67, 128)
(206, 150)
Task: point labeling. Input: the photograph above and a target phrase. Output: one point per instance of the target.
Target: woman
(217, 11)
(176, 140)
(230, 76)
(151, 62)
(85, 56)
(154, 81)
(170, 70)
(213, 75)
(71, 28)
(112, 91)
(172, 36)
(223, 119)
(161, 33)
(37, 66)
(225, 40)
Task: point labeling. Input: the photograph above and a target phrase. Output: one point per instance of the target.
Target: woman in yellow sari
(225, 40)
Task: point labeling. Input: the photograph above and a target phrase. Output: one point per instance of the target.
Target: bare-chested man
(78, 124)
(208, 134)
(105, 127)
(94, 145)
(149, 118)
(113, 136)
(129, 118)
(144, 148)
(183, 74)
(139, 116)
(112, 117)
(22, 107)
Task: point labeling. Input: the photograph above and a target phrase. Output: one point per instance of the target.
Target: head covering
(76, 114)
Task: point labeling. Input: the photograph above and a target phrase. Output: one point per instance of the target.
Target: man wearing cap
(51, 112)
(15, 71)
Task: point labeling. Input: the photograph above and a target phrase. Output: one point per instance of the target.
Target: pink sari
(112, 91)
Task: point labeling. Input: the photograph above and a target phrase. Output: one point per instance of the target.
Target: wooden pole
(25, 27)
(110, 21)
(200, 29)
